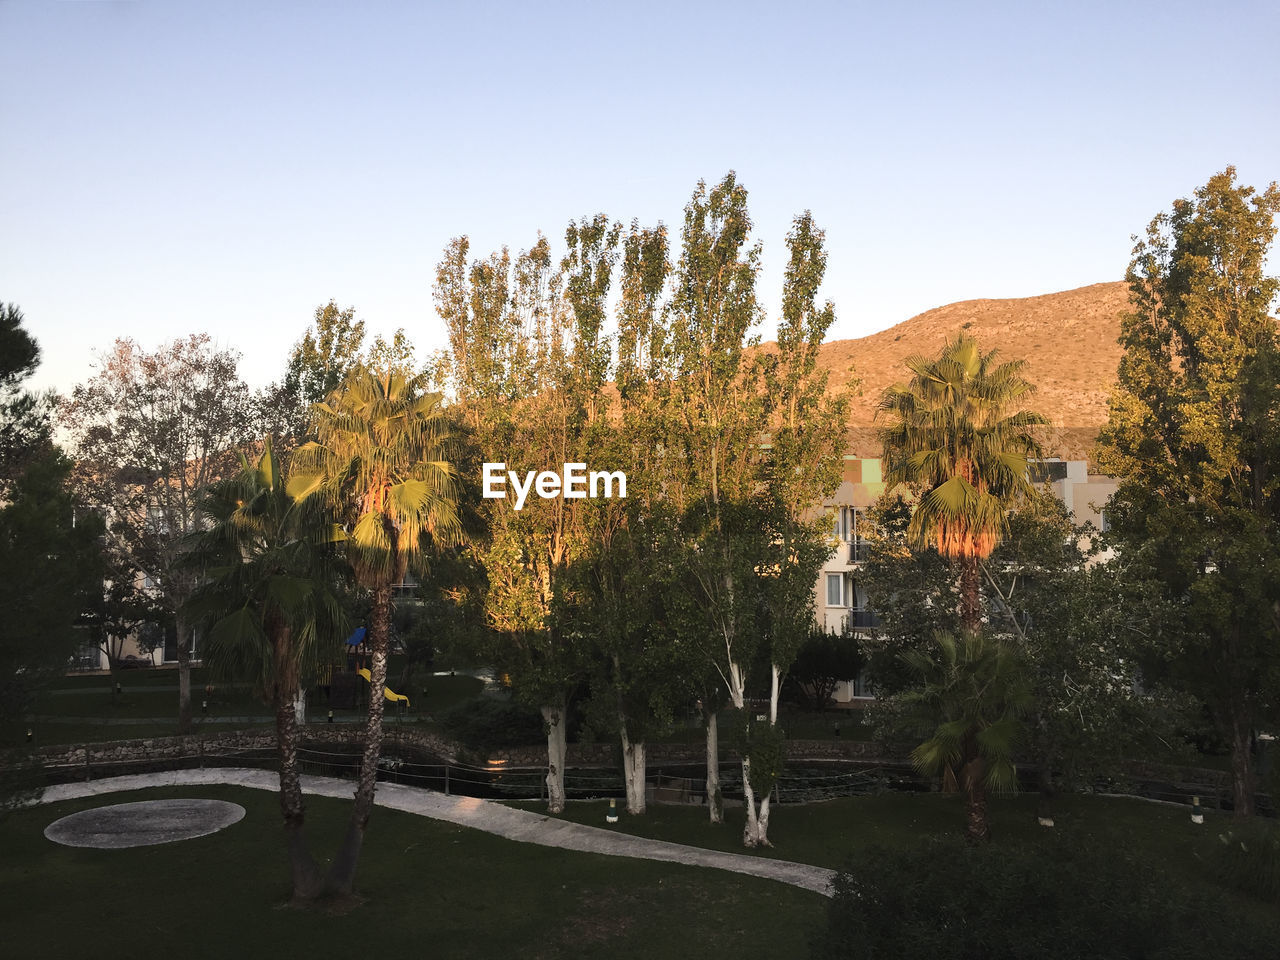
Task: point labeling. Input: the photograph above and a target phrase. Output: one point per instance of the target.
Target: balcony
(863, 620)
(858, 551)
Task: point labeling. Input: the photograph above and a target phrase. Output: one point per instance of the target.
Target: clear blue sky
(226, 167)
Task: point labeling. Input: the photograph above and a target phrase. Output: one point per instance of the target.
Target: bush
(490, 724)
(951, 901)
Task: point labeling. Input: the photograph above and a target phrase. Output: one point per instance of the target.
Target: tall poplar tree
(639, 674)
(527, 341)
(1194, 436)
(800, 468)
(716, 428)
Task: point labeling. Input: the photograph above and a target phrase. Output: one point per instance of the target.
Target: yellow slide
(386, 691)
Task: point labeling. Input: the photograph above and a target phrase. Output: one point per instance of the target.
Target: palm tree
(271, 611)
(968, 705)
(380, 460)
(948, 434)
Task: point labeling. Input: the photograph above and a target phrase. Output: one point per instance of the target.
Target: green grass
(429, 889)
(78, 709)
(74, 734)
(828, 834)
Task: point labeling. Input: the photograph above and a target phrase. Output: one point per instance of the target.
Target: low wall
(230, 743)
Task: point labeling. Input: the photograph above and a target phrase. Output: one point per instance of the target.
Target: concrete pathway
(524, 826)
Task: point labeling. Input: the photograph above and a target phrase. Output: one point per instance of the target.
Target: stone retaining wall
(168, 749)
(318, 736)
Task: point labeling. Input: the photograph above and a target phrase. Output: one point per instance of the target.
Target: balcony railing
(863, 620)
(859, 550)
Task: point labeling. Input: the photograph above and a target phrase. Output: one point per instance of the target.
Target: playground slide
(386, 691)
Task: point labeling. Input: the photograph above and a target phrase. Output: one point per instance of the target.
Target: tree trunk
(184, 675)
(554, 721)
(633, 773)
(751, 830)
(756, 831)
(715, 801)
(970, 596)
(307, 879)
(1241, 761)
(342, 875)
(977, 828)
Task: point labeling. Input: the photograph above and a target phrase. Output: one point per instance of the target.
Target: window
(835, 590)
(861, 688)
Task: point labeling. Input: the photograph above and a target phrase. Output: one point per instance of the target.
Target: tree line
(1005, 631)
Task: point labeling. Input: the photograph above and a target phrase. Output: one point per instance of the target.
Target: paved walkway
(524, 826)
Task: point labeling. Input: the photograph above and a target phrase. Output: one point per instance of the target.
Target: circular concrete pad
(144, 823)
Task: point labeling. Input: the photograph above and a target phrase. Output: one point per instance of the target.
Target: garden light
(1197, 812)
(613, 812)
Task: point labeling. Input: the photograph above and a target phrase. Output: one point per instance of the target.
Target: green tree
(951, 438)
(715, 431)
(911, 589)
(1082, 637)
(120, 612)
(1194, 436)
(272, 610)
(800, 467)
(50, 572)
(971, 695)
(1071, 617)
(330, 349)
(639, 670)
(822, 663)
(381, 460)
(321, 360)
(149, 433)
(527, 365)
(24, 416)
(50, 551)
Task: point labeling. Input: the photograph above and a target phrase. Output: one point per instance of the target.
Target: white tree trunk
(633, 773)
(300, 705)
(762, 821)
(553, 718)
(775, 684)
(751, 830)
(756, 831)
(715, 803)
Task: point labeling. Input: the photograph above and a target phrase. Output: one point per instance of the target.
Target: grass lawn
(430, 889)
(79, 709)
(829, 834)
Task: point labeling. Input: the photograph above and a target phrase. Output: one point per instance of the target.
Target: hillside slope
(1068, 340)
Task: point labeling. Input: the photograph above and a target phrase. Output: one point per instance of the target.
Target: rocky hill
(1068, 340)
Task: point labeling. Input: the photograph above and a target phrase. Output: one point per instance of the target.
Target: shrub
(950, 901)
(490, 724)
